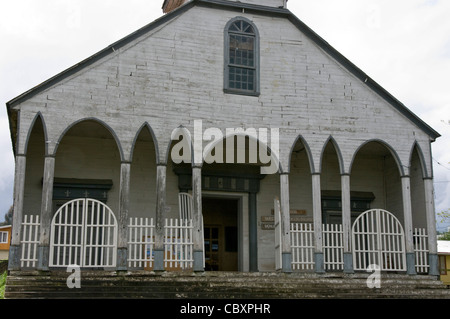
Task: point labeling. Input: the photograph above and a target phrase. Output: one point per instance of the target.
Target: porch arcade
(143, 188)
(106, 132)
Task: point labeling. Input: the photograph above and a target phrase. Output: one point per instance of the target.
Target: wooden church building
(224, 136)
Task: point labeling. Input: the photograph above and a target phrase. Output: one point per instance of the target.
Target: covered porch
(302, 218)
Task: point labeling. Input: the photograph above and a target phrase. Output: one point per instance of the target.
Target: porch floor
(220, 285)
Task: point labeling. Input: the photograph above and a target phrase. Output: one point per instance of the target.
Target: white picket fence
(303, 246)
(140, 242)
(30, 241)
(421, 250)
(178, 244)
(84, 233)
(333, 246)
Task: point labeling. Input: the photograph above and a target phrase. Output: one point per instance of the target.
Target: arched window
(241, 57)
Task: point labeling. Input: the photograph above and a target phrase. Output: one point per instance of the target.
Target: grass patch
(3, 273)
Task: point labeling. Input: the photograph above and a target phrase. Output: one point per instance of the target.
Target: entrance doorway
(220, 218)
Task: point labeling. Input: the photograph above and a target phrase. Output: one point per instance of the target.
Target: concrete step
(220, 285)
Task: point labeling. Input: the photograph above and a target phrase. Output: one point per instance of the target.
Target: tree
(445, 236)
(444, 215)
(9, 216)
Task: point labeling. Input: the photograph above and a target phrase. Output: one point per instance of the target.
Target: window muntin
(241, 58)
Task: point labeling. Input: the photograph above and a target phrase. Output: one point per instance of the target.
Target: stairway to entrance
(220, 285)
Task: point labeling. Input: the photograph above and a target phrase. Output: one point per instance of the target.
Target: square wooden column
(408, 224)
(160, 217)
(197, 218)
(346, 223)
(317, 213)
(46, 213)
(286, 224)
(433, 259)
(124, 207)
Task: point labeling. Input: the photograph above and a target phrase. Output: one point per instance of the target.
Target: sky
(404, 45)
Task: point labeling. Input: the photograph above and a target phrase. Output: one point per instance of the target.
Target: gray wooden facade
(103, 129)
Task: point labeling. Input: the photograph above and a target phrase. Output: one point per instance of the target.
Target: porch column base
(158, 262)
(14, 258)
(286, 262)
(122, 256)
(411, 264)
(433, 260)
(43, 258)
(319, 263)
(348, 263)
(198, 261)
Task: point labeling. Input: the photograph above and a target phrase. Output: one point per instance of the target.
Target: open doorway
(220, 217)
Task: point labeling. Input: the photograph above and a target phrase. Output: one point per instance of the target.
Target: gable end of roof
(238, 6)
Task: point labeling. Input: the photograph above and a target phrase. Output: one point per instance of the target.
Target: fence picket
(302, 245)
(140, 243)
(421, 250)
(178, 243)
(30, 241)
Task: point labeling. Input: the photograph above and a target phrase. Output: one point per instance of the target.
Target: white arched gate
(83, 233)
(378, 239)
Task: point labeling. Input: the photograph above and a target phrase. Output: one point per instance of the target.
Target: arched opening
(301, 206)
(35, 152)
(143, 175)
(87, 165)
(300, 184)
(417, 174)
(236, 194)
(330, 182)
(375, 180)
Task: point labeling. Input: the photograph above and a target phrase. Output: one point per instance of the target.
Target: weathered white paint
(285, 216)
(124, 204)
(346, 213)
(47, 200)
(160, 205)
(317, 213)
(431, 217)
(197, 207)
(407, 213)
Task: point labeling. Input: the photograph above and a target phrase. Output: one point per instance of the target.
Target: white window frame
(4, 237)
